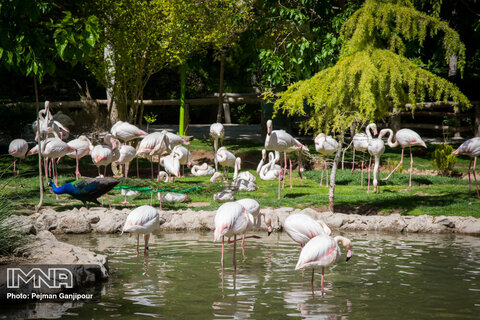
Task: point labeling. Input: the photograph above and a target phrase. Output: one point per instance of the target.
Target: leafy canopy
(372, 75)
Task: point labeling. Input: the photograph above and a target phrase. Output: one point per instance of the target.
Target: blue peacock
(86, 189)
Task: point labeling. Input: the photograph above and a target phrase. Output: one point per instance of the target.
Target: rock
(73, 222)
(22, 224)
(46, 221)
(392, 222)
(442, 220)
(111, 222)
(467, 225)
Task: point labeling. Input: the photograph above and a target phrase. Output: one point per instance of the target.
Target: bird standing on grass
(17, 149)
(86, 189)
(470, 147)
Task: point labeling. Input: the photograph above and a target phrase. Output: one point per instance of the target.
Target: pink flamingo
(17, 149)
(470, 147)
(183, 156)
(302, 227)
(217, 131)
(231, 219)
(102, 154)
(360, 143)
(281, 141)
(376, 147)
(404, 138)
(322, 251)
(253, 207)
(142, 220)
(125, 131)
(326, 146)
(154, 143)
(126, 155)
(226, 159)
(82, 145)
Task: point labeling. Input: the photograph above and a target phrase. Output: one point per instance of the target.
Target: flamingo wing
(320, 251)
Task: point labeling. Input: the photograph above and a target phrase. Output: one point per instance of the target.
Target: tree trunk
(333, 175)
(40, 178)
(220, 89)
(183, 84)
(113, 112)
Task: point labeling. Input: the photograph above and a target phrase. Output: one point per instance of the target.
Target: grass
(430, 194)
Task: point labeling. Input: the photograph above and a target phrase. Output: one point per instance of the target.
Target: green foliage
(372, 77)
(443, 159)
(151, 118)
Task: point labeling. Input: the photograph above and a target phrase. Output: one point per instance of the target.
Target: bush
(391, 164)
(443, 159)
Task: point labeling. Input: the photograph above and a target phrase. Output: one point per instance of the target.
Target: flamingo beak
(349, 254)
(269, 230)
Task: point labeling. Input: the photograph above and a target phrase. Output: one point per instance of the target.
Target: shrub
(443, 159)
(391, 164)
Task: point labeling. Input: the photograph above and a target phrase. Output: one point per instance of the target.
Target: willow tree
(374, 75)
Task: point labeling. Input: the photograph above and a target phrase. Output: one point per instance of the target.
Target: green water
(390, 276)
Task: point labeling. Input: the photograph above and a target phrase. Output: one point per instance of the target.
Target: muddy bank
(103, 220)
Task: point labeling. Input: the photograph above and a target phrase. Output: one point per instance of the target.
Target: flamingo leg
(15, 172)
(284, 169)
(369, 168)
(395, 169)
(321, 176)
(98, 168)
(223, 245)
(234, 251)
(469, 180)
(146, 237)
(475, 176)
(77, 172)
(361, 175)
(353, 161)
(411, 168)
(125, 201)
(151, 165)
(279, 177)
(104, 170)
(291, 176)
(375, 171)
(321, 282)
(160, 199)
(326, 177)
(55, 172)
(138, 241)
(313, 274)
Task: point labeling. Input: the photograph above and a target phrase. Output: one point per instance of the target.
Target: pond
(394, 276)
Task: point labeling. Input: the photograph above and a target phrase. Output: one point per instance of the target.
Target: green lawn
(430, 194)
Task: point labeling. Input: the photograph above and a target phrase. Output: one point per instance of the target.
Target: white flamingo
(102, 154)
(270, 171)
(224, 196)
(376, 147)
(154, 143)
(281, 141)
(202, 170)
(47, 121)
(322, 251)
(171, 165)
(253, 207)
(471, 147)
(125, 131)
(360, 143)
(262, 161)
(217, 131)
(17, 149)
(126, 155)
(226, 159)
(302, 227)
(243, 181)
(142, 220)
(231, 219)
(405, 138)
(183, 156)
(326, 146)
(82, 145)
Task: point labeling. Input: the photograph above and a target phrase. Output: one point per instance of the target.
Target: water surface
(393, 276)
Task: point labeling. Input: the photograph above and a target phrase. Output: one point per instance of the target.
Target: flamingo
(243, 181)
(142, 220)
(17, 149)
(405, 138)
(47, 121)
(301, 228)
(125, 131)
(262, 161)
(202, 170)
(281, 141)
(470, 147)
(153, 144)
(171, 165)
(326, 146)
(231, 219)
(126, 155)
(82, 144)
(102, 154)
(217, 176)
(271, 170)
(253, 207)
(224, 196)
(226, 159)
(217, 132)
(360, 143)
(322, 251)
(376, 147)
(183, 156)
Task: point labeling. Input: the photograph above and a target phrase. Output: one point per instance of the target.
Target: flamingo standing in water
(302, 227)
(231, 219)
(17, 149)
(470, 147)
(281, 141)
(326, 146)
(360, 143)
(405, 138)
(83, 145)
(376, 147)
(142, 220)
(217, 131)
(322, 251)
(253, 207)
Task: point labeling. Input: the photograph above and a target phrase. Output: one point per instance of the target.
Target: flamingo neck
(390, 142)
(368, 131)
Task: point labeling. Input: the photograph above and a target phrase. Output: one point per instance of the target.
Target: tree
(373, 76)
(35, 34)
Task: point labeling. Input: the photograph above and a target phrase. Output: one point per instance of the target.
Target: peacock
(86, 189)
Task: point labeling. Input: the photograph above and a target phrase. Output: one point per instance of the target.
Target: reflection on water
(390, 275)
